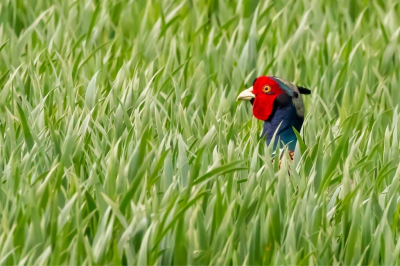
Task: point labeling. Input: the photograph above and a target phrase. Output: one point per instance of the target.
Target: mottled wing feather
(290, 89)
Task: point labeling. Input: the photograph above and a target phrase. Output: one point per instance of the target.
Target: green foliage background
(121, 141)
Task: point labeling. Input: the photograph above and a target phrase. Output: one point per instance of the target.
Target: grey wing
(293, 92)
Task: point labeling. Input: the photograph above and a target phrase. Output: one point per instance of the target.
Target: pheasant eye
(266, 89)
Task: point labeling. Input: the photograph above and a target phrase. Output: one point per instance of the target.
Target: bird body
(282, 120)
(279, 104)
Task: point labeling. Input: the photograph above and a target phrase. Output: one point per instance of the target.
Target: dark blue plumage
(284, 112)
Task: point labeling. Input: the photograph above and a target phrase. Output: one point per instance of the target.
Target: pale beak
(246, 95)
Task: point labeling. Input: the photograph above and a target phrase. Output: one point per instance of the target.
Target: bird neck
(282, 121)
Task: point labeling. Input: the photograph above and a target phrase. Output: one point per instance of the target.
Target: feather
(283, 86)
(292, 91)
(304, 90)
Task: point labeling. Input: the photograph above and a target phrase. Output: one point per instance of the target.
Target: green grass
(121, 141)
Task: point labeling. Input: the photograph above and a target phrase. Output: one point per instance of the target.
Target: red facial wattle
(263, 106)
(265, 90)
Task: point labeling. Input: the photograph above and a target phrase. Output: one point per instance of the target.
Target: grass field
(121, 141)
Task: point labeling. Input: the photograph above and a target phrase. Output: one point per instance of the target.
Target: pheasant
(278, 103)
